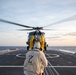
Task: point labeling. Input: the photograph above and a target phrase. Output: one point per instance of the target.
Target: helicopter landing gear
(27, 47)
(45, 48)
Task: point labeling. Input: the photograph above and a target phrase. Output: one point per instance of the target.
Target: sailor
(35, 61)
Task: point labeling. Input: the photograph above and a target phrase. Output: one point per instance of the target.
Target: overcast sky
(53, 14)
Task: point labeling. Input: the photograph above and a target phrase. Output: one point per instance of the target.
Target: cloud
(54, 38)
(63, 20)
(70, 34)
(36, 13)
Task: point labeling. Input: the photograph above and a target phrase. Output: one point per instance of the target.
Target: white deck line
(48, 66)
(11, 66)
(63, 66)
(54, 68)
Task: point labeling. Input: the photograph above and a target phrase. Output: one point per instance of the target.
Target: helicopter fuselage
(36, 36)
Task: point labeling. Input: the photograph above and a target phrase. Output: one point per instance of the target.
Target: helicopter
(37, 35)
(33, 37)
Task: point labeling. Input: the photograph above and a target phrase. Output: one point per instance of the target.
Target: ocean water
(66, 49)
(12, 47)
(63, 48)
(7, 49)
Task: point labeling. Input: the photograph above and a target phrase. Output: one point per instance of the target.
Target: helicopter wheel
(45, 48)
(27, 47)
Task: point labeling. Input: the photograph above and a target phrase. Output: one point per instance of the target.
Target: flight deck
(58, 63)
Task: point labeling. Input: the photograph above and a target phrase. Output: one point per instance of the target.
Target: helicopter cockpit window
(37, 37)
(30, 35)
(36, 34)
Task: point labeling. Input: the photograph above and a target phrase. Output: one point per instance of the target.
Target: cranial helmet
(37, 45)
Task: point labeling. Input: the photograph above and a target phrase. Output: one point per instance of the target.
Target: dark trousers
(41, 74)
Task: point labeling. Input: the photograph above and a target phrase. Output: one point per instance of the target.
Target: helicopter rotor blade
(33, 29)
(62, 21)
(24, 29)
(50, 29)
(5, 21)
